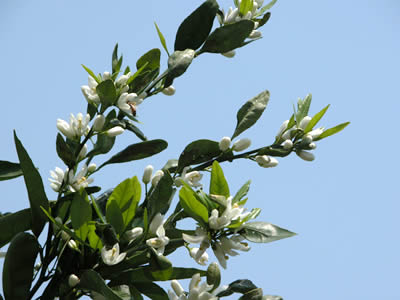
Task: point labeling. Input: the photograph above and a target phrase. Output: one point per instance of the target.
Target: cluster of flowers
(289, 137)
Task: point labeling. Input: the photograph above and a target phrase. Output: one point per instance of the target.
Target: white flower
(282, 129)
(227, 246)
(156, 178)
(99, 123)
(121, 81)
(231, 213)
(148, 171)
(201, 235)
(224, 143)
(132, 234)
(191, 178)
(304, 122)
(57, 178)
(89, 91)
(241, 145)
(76, 127)
(201, 259)
(229, 54)
(80, 180)
(305, 155)
(197, 291)
(169, 91)
(117, 130)
(157, 227)
(217, 222)
(73, 280)
(112, 256)
(287, 144)
(129, 102)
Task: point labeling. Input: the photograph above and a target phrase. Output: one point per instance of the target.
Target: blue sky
(344, 205)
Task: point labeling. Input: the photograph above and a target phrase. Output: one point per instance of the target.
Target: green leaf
(148, 69)
(265, 8)
(250, 112)
(94, 239)
(245, 7)
(131, 127)
(34, 185)
(332, 131)
(151, 59)
(263, 232)
(107, 92)
(218, 183)
(195, 29)
(264, 19)
(162, 39)
(242, 192)
(170, 165)
(90, 72)
(103, 145)
(137, 151)
(92, 281)
(315, 119)
(228, 37)
(256, 294)
(192, 206)
(18, 266)
(198, 152)
(114, 61)
(303, 106)
(160, 266)
(122, 204)
(152, 290)
(91, 110)
(12, 224)
(64, 151)
(161, 197)
(9, 170)
(81, 215)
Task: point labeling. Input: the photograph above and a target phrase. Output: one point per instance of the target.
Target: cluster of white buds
(266, 161)
(111, 256)
(89, 91)
(191, 178)
(157, 228)
(197, 290)
(169, 91)
(239, 145)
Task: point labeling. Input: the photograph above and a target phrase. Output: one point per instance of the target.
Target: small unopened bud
(58, 223)
(117, 130)
(73, 280)
(229, 54)
(304, 122)
(307, 139)
(316, 132)
(148, 171)
(106, 75)
(312, 146)
(287, 144)
(72, 244)
(92, 167)
(305, 155)
(99, 123)
(168, 91)
(263, 160)
(273, 163)
(82, 153)
(178, 289)
(287, 135)
(156, 178)
(123, 79)
(255, 34)
(224, 143)
(282, 129)
(241, 144)
(213, 275)
(132, 234)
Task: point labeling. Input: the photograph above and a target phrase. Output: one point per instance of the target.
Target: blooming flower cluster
(77, 126)
(238, 146)
(75, 182)
(157, 228)
(197, 290)
(191, 178)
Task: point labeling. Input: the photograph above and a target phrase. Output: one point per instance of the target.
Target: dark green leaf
(81, 215)
(103, 145)
(148, 69)
(152, 290)
(34, 185)
(263, 232)
(64, 151)
(242, 192)
(12, 224)
(274, 151)
(114, 216)
(198, 152)
(114, 60)
(171, 165)
(192, 206)
(228, 37)
(131, 127)
(92, 281)
(196, 27)
(9, 170)
(107, 92)
(264, 19)
(160, 266)
(332, 131)
(250, 112)
(151, 59)
(162, 39)
(137, 151)
(91, 110)
(218, 183)
(161, 197)
(184, 273)
(18, 266)
(242, 286)
(256, 294)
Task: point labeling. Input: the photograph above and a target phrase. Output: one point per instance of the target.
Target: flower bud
(282, 129)
(106, 75)
(312, 146)
(213, 275)
(123, 79)
(224, 143)
(117, 130)
(168, 91)
(287, 144)
(156, 178)
(58, 223)
(273, 163)
(92, 167)
(307, 139)
(72, 244)
(133, 233)
(176, 286)
(99, 123)
(304, 122)
(287, 135)
(255, 34)
(148, 171)
(305, 155)
(263, 160)
(82, 153)
(241, 144)
(73, 280)
(229, 54)
(316, 132)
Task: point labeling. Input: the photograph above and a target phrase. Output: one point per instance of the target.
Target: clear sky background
(344, 205)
